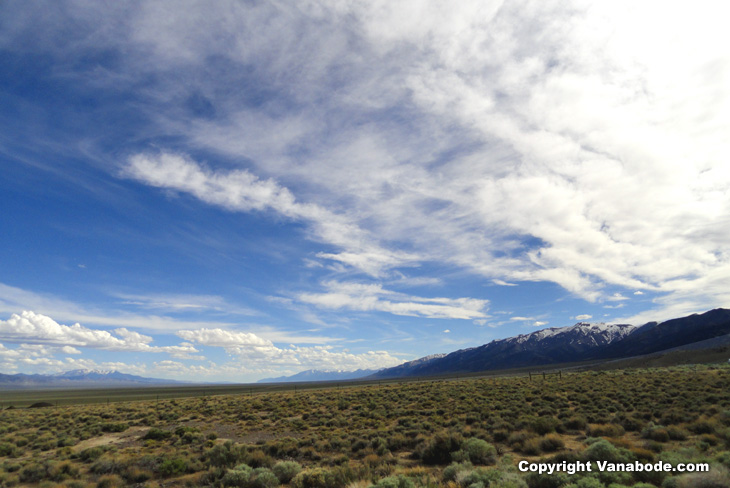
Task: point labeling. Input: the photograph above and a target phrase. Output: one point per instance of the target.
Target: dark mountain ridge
(579, 342)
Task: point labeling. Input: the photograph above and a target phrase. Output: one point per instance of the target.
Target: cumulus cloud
(374, 298)
(225, 338)
(40, 359)
(583, 317)
(539, 323)
(35, 332)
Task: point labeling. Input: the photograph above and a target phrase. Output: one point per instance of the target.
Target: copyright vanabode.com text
(578, 467)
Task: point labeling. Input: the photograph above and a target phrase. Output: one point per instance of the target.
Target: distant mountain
(579, 342)
(79, 378)
(316, 375)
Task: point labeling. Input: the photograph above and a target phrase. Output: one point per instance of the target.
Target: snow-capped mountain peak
(607, 332)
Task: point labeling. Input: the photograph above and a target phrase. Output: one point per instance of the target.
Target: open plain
(469, 432)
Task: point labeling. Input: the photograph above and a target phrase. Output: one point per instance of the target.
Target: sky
(236, 190)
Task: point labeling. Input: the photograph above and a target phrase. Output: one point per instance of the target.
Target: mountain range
(79, 378)
(318, 375)
(556, 345)
(576, 343)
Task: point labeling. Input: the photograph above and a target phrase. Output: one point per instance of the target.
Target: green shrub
(535, 480)
(587, 482)
(33, 473)
(310, 478)
(224, 455)
(263, 478)
(438, 450)
(605, 430)
(8, 449)
(157, 434)
(173, 467)
(704, 426)
(507, 480)
(544, 425)
(114, 427)
(134, 474)
(717, 477)
(258, 459)
(677, 433)
(531, 447)
(551, 443)
(110, 481)
(480, 451)
(238, 476)
(91, 454)
(575, 423)
(658, 434)
(453, 469)
(603, 450)
(286, 470)
(63, 471)
(399, 481)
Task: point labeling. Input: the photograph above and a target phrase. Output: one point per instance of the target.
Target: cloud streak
(579, 170)
(239, 190)
(374, 298)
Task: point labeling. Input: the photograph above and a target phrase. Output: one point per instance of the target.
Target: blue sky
(226, 191)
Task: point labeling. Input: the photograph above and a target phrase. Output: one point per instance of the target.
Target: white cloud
(224, 338)
(39, 358)
(616, 297)
(241, 191)
(374, 298)
(183, 303)
(255, 353)
(539, 323)
(638, 292)
(567, 111)
(502, 282)
(13, 299)
(36, 331)
(583, 317)
(521, 319)
(447, 331)
(545, 141)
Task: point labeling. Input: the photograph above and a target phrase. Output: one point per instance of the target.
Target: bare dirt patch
(129, 436)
